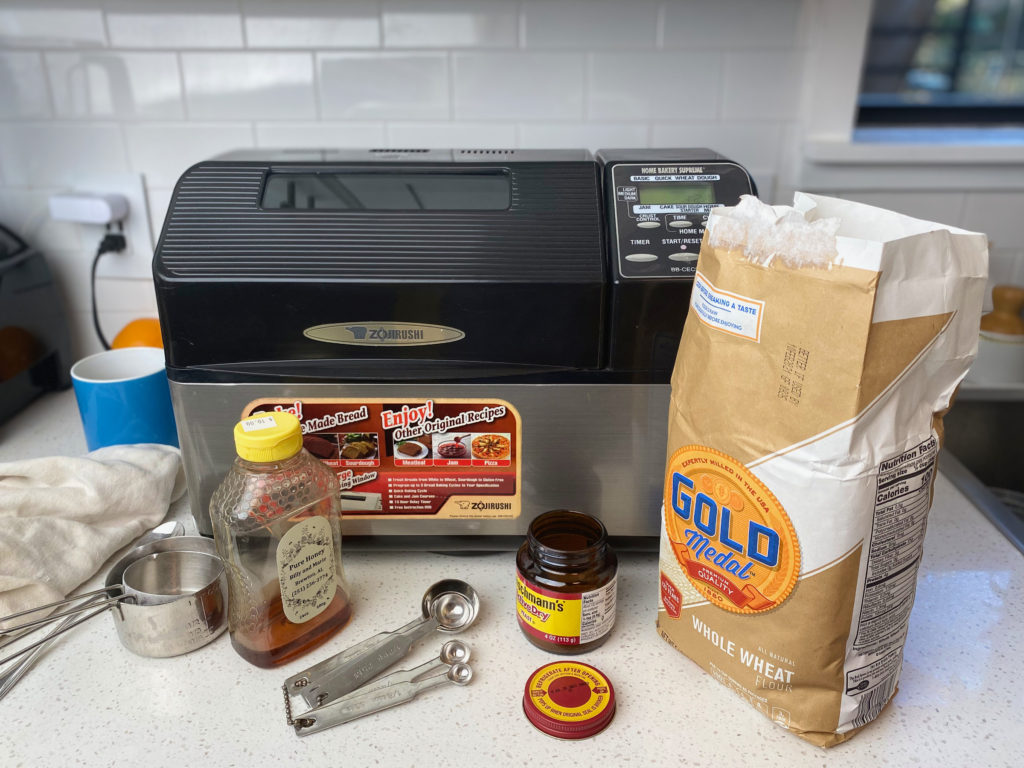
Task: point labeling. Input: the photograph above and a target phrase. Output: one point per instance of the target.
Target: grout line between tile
(241, 23)
(318, 107)
(450, 73)
(181, 87)
(659, 28)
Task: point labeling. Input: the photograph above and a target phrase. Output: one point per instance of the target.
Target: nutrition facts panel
(902, 499)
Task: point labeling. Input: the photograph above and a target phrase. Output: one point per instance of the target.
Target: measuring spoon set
(346, 687)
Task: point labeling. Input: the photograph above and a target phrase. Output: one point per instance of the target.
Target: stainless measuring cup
(174, 602)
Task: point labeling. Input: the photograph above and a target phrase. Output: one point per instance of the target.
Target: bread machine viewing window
(388, 191)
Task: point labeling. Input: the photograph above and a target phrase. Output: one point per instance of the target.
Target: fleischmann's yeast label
(733, 539)
(565, 618)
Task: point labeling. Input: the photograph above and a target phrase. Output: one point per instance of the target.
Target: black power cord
(111, 242)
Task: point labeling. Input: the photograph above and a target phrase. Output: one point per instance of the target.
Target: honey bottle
(277, 526)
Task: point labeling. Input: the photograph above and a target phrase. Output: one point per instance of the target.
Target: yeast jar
(566, 582)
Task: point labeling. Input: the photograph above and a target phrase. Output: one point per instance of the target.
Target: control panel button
(640, 257)
(680, 224)
(648, 224)
(681, 257)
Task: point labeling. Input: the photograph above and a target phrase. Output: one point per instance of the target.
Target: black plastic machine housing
(516, 249)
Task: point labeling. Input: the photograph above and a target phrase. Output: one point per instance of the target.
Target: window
(944, 62)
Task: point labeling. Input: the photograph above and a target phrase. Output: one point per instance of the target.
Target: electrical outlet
(136, 261)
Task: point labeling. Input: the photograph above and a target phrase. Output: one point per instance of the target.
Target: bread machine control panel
(661, 210)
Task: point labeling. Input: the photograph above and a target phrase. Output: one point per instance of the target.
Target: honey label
(306, 569)
(565, 618)
(733, 539)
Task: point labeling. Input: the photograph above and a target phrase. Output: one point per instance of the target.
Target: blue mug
(123, 397)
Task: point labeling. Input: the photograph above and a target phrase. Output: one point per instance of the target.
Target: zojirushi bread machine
(469, 337)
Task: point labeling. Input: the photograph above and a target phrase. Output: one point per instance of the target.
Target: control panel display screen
(676, 194)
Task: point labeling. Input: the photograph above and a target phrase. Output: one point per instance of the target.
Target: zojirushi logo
(385, 334)
(732, 538)
(376, 334)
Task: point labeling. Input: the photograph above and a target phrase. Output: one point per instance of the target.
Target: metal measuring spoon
(452, 652)
(450, 605)
(376, 700)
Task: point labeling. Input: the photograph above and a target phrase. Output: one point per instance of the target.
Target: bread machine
(469, 337)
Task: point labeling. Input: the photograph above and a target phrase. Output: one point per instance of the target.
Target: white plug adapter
(89, 207)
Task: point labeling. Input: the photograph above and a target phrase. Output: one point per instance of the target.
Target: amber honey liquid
(278, 640)
(278, 531)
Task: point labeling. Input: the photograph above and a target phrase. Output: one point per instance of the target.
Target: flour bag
(823, 345)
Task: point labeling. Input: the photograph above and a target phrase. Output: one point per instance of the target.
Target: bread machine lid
(487, 258)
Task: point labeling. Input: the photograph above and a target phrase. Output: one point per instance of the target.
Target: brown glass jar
(565, 582)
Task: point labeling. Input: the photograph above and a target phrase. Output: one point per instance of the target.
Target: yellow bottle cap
(263, 437)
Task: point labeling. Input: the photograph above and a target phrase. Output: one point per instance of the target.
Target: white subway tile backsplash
(232, 86)
(461, 135)
(942, 207)
(158, 200)
(998, 215)
(311, 24)
(450, 24)
(90, 87)
(374, 86)
(174, 24)
(27, 213)
(83, 338)
(51, 23)
(23, 93)
(593, 24)
(732, 24)
(518, 86)
(132, 297)
(163, 151)
(319, 135)
(107, 84)
(761, 85)
(56, 154)
(590, 135)
(654, 86)
(756, 146)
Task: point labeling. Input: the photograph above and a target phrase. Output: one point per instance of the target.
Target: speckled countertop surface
(91, 702)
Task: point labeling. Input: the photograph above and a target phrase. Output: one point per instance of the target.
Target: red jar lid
(569, 700)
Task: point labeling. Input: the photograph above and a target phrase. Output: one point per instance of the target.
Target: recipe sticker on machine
(414, 458)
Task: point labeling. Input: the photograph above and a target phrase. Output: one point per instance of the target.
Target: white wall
(148, 87)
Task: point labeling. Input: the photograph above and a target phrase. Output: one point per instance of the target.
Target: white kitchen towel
(62, 517)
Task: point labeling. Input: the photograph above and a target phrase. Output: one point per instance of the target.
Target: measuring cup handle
(363, 704)
(11, 677)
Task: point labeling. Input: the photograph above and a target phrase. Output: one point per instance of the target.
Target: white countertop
(91, 702)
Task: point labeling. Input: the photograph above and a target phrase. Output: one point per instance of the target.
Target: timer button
(680, 224)
(681, 257)
(648, 224)
(641, 257)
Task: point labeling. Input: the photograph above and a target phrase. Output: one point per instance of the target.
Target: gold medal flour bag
(822, 347)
